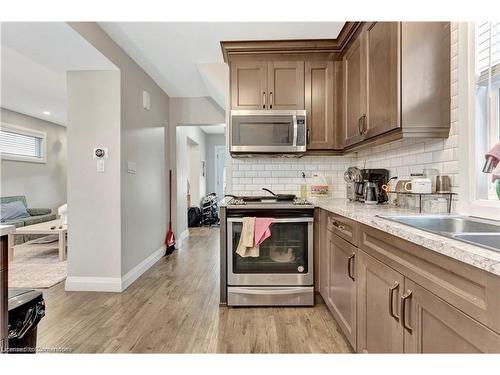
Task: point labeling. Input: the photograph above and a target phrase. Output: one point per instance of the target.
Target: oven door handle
(281, 220)
(274, 291)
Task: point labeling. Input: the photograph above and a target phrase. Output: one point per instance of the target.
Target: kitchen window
(479, 114)
(21, 144)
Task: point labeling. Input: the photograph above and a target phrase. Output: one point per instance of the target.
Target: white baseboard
(142, 267)
(93, 284)
(112, 284)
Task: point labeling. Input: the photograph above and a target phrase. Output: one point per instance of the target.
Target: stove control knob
(300, 268)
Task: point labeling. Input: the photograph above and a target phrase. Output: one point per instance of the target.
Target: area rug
(36, 266)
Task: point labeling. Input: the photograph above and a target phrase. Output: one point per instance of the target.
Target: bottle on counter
(304, 188)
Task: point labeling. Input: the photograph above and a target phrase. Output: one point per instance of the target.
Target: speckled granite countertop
(476, 256)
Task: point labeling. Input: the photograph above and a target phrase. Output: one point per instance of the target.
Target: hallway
(174, 308)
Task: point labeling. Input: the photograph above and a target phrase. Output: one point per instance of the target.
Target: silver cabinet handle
(392, 289)
(308, 136)
(404, 298)
(360, 132)
(350, 263)
(336, 224)
(271, 100)
(364, 129)
(263, 99)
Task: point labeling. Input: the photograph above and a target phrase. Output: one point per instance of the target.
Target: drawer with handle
(343, 227)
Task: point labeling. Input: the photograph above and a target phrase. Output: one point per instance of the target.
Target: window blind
(20, 144)
(487, 52)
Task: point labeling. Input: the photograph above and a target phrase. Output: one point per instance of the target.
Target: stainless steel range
(282, 274)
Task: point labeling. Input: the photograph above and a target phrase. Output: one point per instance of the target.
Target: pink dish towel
(495, 153)
(262, 230)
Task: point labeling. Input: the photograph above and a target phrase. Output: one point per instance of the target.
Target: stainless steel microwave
(275, 132)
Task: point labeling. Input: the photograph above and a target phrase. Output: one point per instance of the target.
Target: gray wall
(212, 141)
(143, 138)
(93, 198)
(43, 184)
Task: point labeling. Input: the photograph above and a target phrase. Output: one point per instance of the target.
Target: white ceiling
(35, 57)
(171, 52)
(213, 129)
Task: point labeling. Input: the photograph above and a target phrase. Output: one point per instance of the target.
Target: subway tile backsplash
(249, 176)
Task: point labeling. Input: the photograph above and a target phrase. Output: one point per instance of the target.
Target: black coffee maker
(371, 177)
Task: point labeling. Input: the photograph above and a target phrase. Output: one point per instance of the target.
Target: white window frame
(469, 203)
(28, 132)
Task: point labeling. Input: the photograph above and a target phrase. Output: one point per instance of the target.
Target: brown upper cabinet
(353, 94)
(376, 83)
(397, 83)
(319, 76)
(267, 85)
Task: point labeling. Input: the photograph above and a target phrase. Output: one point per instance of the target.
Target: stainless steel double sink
(476, 231)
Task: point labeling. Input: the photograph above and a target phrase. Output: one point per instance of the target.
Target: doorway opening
(201, 176)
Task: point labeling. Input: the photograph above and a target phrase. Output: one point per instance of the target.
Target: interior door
(286, 85)
(249, 85)
(354, 94)
(343, 286)
(319, 104)
(378, 317)
(382, 43)
(434, 326)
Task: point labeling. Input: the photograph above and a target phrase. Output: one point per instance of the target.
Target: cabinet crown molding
(250, 47)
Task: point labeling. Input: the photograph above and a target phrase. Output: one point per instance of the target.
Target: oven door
(267, 132)
(285, 258)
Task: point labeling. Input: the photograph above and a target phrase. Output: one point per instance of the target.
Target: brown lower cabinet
(337, 276)
(378, 292)
(433, 326)
(391, 296)
(342, 287)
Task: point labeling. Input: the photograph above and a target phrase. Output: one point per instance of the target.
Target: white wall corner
(182, 238)
(141, 268)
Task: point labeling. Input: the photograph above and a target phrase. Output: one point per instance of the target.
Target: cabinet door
(382, 41)
(354, 94)
(434, 326)
(324, 257)
(343, 286)
(286, 85)
(378, 293)
(319, 105)
(249, 85)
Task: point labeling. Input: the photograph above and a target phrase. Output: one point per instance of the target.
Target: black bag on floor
(194, 217)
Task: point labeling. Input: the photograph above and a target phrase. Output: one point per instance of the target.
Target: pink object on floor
(494, 153)
(262, 230)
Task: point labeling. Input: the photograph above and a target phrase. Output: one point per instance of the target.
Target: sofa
(37, 215)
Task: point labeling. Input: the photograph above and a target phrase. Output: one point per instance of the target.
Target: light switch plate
(146, 100)
(100, 166)
(131, 167)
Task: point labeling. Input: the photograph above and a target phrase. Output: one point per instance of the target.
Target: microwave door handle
(295, 129)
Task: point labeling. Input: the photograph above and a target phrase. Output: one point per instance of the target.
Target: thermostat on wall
(100, 153)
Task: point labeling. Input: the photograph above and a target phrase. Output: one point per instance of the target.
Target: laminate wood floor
(174, 308)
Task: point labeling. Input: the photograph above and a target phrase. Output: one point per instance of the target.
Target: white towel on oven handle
(246, 246)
